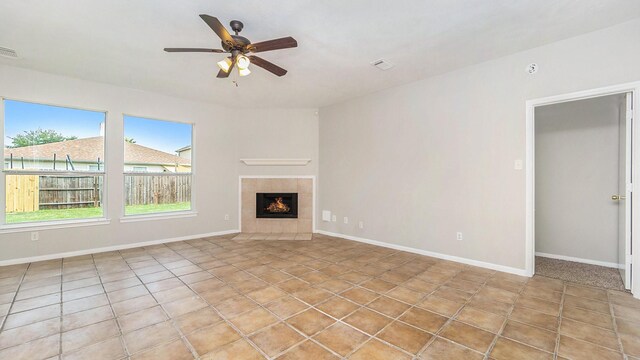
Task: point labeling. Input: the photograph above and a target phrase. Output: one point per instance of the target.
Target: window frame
(52, 224)
(163, 214)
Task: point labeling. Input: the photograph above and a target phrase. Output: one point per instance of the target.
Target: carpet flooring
(592, 275)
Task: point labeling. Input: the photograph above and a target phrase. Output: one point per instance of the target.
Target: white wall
(278, 134)
(419, 162)
(576, 170)
(221, 135)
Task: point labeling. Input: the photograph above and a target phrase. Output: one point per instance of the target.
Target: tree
(38, 137)
(130, 140)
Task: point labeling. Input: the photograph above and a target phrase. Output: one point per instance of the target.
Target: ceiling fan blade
(276, 44)
(269, 66)
(193, 50)
(218, 28)
(222, 74)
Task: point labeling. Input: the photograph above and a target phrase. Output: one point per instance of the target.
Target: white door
(624, 192)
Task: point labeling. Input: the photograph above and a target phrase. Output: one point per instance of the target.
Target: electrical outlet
(346, 220)
(35, 236)
(226, 217)
(334, 218)
(361, 224)
(518, 165)
(459, 236)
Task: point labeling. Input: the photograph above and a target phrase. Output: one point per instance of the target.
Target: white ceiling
(121, 41)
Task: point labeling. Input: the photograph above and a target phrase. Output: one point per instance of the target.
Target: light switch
(326, 215)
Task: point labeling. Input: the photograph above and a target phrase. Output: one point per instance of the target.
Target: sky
(23, 116)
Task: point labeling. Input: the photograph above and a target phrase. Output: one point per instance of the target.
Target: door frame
(633, 88)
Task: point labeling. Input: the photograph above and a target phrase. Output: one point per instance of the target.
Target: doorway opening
(580, 187)
(580, 198)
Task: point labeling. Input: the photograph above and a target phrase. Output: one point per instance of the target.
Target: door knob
(617, 197)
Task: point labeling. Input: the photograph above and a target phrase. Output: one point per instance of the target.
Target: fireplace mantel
(275, 162)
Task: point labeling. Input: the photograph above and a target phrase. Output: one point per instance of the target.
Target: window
(156, 178)
(53, 163)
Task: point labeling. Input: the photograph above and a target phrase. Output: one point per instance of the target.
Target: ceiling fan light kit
(238, 46)
(243, 62)
(225, 64)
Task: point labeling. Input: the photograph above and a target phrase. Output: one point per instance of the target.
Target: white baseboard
(579, 260)
(507, 269)
(112, 248)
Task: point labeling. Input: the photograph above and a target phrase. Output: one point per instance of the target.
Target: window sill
(158, 216)
(52, 225)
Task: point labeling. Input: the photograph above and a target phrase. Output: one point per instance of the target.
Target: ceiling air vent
(382, 64)
(6, 52)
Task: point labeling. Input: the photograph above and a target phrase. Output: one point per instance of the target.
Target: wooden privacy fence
(157, 189)
(67, 192)
(22, 193)
(25, 193)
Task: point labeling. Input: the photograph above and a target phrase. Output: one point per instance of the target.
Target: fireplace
(277, 205)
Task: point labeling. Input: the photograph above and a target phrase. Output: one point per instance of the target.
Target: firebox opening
(276, 205)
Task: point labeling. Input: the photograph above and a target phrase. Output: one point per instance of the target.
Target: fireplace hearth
(277, 205)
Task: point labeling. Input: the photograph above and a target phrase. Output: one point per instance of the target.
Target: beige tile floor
(328, 298)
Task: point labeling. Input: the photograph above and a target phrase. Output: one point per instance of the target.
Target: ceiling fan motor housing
(241, 43)
(236, 26)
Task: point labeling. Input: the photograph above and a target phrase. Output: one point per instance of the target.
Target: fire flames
(278, 206)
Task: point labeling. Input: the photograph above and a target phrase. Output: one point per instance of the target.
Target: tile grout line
(61, 322)
(305, 337)
(413, 306)
(615, 325)
(454, 315)
(191, 347)
(506, 320)
(558, 335)
(334, 294)
(182, 336)
(358, 286)
(115, 318)
(13, 301)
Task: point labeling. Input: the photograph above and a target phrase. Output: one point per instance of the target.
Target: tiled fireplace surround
(274, 229)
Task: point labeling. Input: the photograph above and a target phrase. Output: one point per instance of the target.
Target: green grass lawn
(54, 214)
(151, 208)
(91, 212)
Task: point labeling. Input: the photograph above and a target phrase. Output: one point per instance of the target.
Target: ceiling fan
(238, 46)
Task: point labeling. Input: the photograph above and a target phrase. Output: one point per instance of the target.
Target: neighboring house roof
(188, 147)
(89, 149)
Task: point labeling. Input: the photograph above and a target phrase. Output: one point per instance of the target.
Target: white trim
(313, 195)
(192, 167)
(3, 179)
(46, 225)
(486, 265)
(159, 216)
(112, 248)
(55, 104)
(580, 260)
(633, 87)
(275, 162)
(52, 225)
(60, 173)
